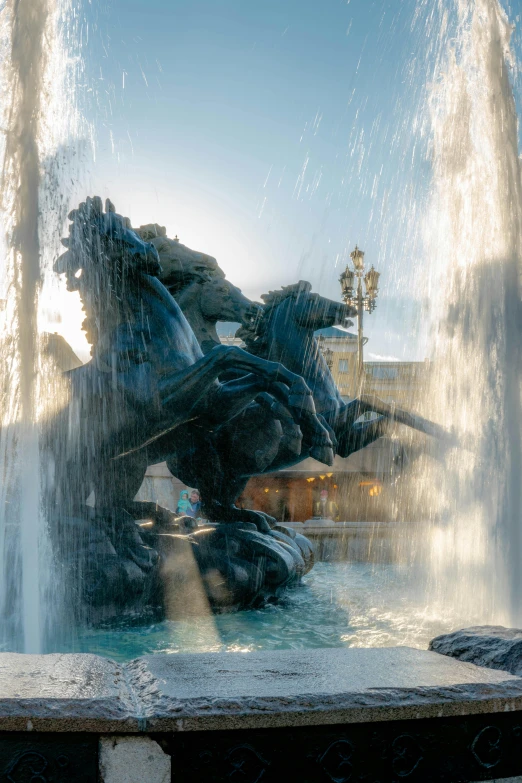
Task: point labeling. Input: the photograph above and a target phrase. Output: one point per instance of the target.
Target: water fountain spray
(474, 236)
(36, 141)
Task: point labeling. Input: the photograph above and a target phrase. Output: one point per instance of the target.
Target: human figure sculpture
(148, 377)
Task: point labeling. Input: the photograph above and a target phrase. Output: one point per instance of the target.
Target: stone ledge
(65, 693)
(491, 646)
(226, 691)
(313, 687)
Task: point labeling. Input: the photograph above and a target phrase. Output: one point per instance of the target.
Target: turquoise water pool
(338, 605)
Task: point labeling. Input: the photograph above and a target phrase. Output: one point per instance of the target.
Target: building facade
(402, 383)
(339, 348)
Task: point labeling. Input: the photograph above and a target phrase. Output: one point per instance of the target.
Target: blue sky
(274, 135)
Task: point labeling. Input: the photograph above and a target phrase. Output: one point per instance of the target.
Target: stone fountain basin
(378, 714)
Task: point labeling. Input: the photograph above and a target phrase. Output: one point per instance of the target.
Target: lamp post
(360, 300)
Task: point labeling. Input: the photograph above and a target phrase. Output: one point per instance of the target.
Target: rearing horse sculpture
(265, 428)
(198, 285)
(285, 332)
(147, 377)
(262, 437)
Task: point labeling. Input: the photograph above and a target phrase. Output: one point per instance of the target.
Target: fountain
(149, 394)
(39, 145)
(473, 234)
(57, 554)
(83, 563)
(469, 531)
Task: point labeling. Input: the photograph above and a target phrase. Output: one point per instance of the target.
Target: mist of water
(474, 245)
(39, 127)
(473, 241)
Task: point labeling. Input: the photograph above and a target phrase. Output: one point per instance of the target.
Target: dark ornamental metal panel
(451, 750)
(48, 758)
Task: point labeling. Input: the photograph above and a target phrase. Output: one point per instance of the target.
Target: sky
(273, 135)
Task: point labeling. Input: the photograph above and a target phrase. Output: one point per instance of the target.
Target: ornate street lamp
(362, 301)
(347, 279)
(371, 282)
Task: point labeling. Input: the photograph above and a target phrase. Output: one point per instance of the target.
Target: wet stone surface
(229, 691)
(373, 715)
(491, 646)
(64, 693)
(314, 687)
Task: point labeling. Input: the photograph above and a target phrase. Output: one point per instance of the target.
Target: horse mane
(254, 333)
(274, 298)
(151, 231)
(181, 266)
(104, 258)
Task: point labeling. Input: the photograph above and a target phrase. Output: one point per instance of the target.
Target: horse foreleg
(196, 393)
(357, 436)
(369, 403)
(318, 435)
(229, 399)
(354, 436)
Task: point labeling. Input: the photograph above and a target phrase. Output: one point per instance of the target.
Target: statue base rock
(127, 570)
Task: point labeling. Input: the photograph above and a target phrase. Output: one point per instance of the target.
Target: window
(384, 373)
(343, 365)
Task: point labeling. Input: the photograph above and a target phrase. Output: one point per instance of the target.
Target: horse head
(103, 241)
(295, 305)
(195, 279)
(180, 265)
(289, 318)
(309, 310)
(222, 301)
(103, 254)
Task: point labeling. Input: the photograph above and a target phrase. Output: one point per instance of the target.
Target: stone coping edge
(28, 715)
(171, 693)
(303, 712)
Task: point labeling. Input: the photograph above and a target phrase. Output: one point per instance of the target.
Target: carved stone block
(48, 758)
(439, 750)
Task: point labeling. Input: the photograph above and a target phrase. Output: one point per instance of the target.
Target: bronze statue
(148, 386)
(216, 414)
(198, 285)
(284, 331)
(264, 437)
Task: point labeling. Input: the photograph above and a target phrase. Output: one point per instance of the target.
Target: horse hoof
(323, 454)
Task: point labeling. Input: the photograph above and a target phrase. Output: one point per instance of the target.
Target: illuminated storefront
(363, 486)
